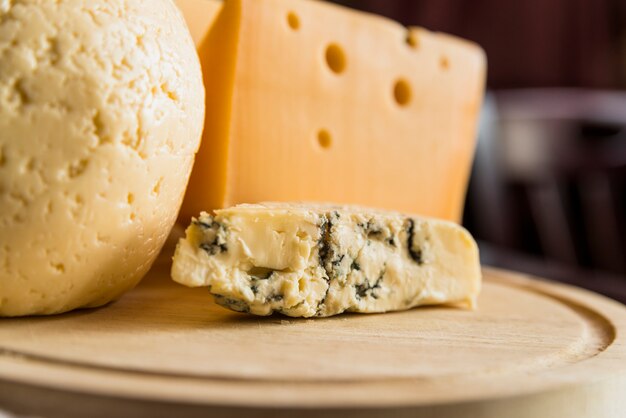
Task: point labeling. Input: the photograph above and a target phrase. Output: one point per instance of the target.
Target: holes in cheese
(335, 58)
(77, 168)
(156, 189)
(293, 21)
(402, 92)
(412, 40)
(58, 268)
(444, 63)
(324, 139)
(273, 92)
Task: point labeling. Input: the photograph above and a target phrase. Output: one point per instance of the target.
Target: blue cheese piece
(319, 260)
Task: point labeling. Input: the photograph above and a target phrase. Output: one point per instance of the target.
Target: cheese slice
(199, 15)
(316, 260)
(312, 101)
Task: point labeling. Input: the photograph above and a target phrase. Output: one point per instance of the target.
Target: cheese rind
(319, 260)
(291, 103)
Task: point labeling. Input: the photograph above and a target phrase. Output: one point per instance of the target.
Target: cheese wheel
(101, 112)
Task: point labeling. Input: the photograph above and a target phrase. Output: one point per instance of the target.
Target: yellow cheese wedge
(312, 101)
(199, 15)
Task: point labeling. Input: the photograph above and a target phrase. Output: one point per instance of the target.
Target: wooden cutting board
(532, 349)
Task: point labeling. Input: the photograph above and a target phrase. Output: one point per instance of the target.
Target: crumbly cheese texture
(303, 87)
(101, 111)
(320, 260)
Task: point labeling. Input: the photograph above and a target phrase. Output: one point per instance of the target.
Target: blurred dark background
(548, 189)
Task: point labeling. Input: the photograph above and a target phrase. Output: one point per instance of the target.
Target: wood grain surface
(532, 348)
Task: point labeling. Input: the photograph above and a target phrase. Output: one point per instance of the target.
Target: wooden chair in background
(548, 191)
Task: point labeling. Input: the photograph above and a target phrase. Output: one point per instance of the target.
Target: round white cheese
(101, 111)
